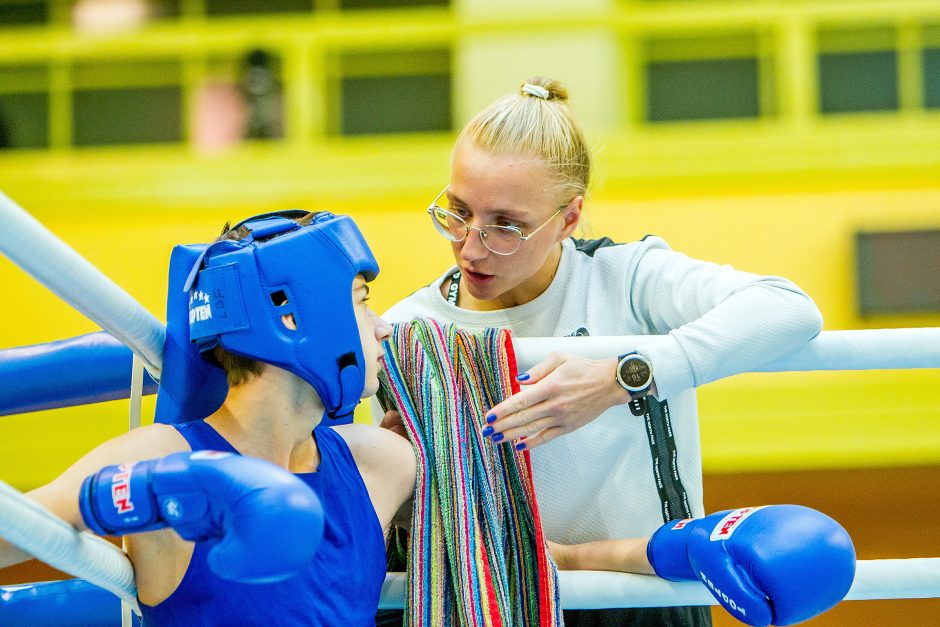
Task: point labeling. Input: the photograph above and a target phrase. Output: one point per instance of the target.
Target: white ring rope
(34, 529)
(587, 589)
(56, 265)
(871, 349)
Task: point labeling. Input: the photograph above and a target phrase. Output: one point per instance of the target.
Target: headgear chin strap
(239, 291)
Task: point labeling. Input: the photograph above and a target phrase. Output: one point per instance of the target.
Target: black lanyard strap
(454, 290)
(665, 455)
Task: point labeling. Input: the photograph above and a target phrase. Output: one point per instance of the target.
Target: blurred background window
(858, 81)
(24, 107)
(701, 78)
(142, 115)
(25, 120)
(897, 272)
(126, 103)
(395, 92)
(932, 78)
(23, 12)
(931, 71)
(701, 90)
(385, 4)
(241, 7)
(858, 70)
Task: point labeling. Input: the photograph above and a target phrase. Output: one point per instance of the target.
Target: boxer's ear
(288, 321)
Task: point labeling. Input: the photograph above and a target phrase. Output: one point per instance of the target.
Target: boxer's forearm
(627, 555)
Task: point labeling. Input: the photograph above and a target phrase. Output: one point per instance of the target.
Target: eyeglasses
(499, 239)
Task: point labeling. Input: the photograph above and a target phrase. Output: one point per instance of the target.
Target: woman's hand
(560, 394)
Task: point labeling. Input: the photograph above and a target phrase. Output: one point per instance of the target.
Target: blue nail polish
(487, 431)
(523, 377)
(491, 418)
(520, 446)
(498, 437)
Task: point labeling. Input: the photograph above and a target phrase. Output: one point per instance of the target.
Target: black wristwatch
(635, 374)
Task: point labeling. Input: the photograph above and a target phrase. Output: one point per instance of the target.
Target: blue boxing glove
(264, 522)
(773, 565)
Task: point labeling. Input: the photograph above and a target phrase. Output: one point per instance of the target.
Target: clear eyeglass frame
(493, 236)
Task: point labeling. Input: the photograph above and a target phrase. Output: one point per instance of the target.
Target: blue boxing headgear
(240, 289)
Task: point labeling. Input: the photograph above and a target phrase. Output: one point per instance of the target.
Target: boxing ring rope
(872, 349)
(34, 529)
(67, 274)
(916, 578)
(35, 249)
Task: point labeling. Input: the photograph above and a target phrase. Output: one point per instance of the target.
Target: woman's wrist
(616, 394)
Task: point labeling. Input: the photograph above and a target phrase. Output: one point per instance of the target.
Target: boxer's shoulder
(156, 440)
(147, 442)
(376, 448)
(386, 462)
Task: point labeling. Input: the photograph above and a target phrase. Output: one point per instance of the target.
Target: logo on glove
(729, 523)
(121, 489)
(210, 455)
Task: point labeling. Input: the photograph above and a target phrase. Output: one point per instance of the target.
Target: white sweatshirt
(703, 322)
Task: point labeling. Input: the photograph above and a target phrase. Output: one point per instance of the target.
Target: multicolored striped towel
(477, 554)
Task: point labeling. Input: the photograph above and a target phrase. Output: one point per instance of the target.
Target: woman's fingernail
(520, 446)
(523, 377)
(498, 437)
(487, 431)
(491, 418)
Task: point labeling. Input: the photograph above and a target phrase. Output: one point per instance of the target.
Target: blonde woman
(615, 442)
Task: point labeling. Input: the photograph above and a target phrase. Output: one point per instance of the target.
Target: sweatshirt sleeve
(709, 321)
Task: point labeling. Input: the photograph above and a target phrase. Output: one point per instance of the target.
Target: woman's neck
(272, 416)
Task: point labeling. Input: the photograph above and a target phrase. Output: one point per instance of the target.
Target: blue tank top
(341, 586)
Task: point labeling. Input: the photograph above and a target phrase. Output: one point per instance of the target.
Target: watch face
(635, 373)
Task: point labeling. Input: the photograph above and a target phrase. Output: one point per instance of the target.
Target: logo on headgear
(199, 308)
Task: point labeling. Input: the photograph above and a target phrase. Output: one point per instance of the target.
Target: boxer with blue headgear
(215, 535)
(240, 290)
